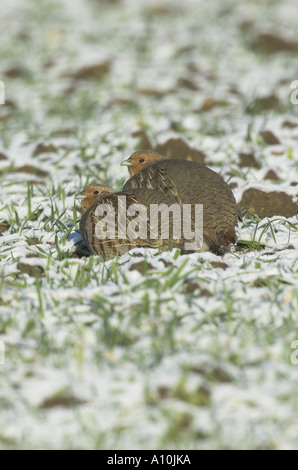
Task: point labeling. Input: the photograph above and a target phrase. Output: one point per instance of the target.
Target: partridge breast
(121, 221)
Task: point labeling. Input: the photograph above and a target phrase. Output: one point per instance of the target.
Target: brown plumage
(93, 196)
(189, 183)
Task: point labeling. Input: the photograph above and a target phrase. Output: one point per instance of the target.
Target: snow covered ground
(151, 350)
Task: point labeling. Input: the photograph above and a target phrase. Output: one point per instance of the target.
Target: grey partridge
(190, 183)
(117, 234)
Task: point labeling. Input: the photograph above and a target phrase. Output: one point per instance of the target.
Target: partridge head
(141, 159)
(92, 193)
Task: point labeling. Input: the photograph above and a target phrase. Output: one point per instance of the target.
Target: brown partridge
(118, 233)
(190, 183)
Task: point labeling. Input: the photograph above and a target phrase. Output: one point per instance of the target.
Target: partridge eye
(96, 192)
(141, 160)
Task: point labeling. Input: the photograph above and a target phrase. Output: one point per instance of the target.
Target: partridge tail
(228, 236)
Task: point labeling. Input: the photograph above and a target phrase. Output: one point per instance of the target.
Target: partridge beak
(80, 195)
(126, 162)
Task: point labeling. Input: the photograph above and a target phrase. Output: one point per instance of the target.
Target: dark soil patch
(4, 226)
(31, 270)
(142, 267)
(270, 138)
(268, 204)
(271, 43)
(94, 71)
(247, 160)
(178, 148)
(31, 170)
